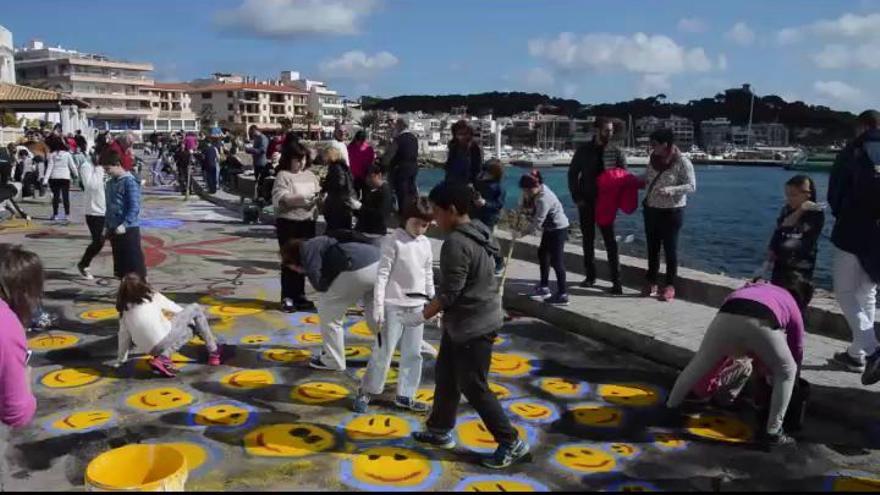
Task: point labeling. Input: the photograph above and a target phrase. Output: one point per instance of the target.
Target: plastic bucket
(140, 467)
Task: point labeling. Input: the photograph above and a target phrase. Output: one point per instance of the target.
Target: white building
(112, 88)
(238, 102)
(324, 104)
(7, 57)
(715, 133)
(171, 108)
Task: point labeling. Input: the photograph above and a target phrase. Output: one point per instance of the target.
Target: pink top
(360, 157)
(190, 142)
(17, 403)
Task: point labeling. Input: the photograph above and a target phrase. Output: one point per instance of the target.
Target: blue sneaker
(439, 440)
(558, 300)
(540, 293)
(411, 405)
(507, 455)
(361, 403)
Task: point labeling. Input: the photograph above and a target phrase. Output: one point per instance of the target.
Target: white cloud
(539, 78)
(293, 18)
(847, 26)
(741, 34)
(837, 56)
(639, 53)
(358, 65)
(838, 91)
(652, 84)
(692, 25)
(569, 90)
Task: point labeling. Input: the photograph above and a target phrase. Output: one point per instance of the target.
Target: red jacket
(618, 189)
(360, 157)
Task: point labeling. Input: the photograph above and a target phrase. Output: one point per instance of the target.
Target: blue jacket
(493, 193)
(259, 149)
(123, 195)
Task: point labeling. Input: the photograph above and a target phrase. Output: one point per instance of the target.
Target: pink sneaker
(668, 294)
(159, 365)
(214, 358)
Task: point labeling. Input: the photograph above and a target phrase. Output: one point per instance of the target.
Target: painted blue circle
(348, 479)
(161, 223)
(463, 484)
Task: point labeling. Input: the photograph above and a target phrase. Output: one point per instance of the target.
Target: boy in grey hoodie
(471, 304)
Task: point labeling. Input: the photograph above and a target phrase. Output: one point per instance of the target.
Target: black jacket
(589, 161)
(376, 207)
(796, 246)
(405, 162)
(463, 164)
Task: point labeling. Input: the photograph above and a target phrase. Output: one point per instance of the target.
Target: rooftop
(250, 87)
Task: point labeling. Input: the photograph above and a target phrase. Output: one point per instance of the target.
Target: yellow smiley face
(195, 454)
(509, 485)
(309, 338)
(501, 392)
(100, 314)
(474, 435)
(585, 459)
(52, 341)
(720, 428)
(531, 411)
(597, 416)
(511, 365)
(287, 355)
(255, 339)
(83, 420)
(159, 399)
(361, 329)
(288, 440)
(143, 363)
(319, 392)
(633, 395)
(311, 320)
(71, 378)
(226, 415)
(425, 395)
(390, 379)
(248, 379)
(357, 352)
(624, 449)
(563, 387)
(856, 484)
(373, 427)
(669, 441)
(391, 467)
(218, 308)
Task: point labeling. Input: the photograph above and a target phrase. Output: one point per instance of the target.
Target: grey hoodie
(315, 263)
(468, 290)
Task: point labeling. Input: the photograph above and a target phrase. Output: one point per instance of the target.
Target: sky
(818, 51)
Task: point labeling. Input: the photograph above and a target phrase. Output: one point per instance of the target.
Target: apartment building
(715, 133)
(7, 57)
(238, 103)
(112, 88)
(324, 104)
(773, 134)
(171, 105)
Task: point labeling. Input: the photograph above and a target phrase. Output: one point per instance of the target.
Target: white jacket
(145, 325)
(60, 166)
(406, 265)
(93, 179)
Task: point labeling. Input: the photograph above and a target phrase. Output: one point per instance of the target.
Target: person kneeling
(142, 321)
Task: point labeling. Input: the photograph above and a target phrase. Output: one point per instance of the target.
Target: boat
(810, 166)
(542, 159)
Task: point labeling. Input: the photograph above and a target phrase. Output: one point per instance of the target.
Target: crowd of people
(758, 333)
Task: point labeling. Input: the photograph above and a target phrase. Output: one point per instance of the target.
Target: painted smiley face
(100, 314)
(255, 339)
(563, 387)
(501, 392)
(855, 484)
(584, 459)
(237, 310)
(287, 355)
(311, 320)
(223, 415)
(309, 338)
(511, 365)
(361, 329)
(159, 399)
(83, 420)
(624, 449)
(390, 467)
(474, 435)
(390, 379)
(597, 416)
(633, 395)
(669, 441)
(516, 484)
(52, 342)
(367, 428)
(319, 392)
(71, 378)
(720, 428)
(425, 395)
(288, 440)
(357, 353)
(533, 411)
(248, 379)
(632, 486)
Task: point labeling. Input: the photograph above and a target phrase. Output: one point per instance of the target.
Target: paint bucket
(140, 467)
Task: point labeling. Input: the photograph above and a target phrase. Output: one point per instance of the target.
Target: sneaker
(616, 289)
(780, 439)
(361, 403)
(871, 375)
(849, 362)
(540, 293)
(428, 349)
(411, 405)
(214, 358)
(588, 283)
(162, 367)
(439, 440)
(558, 300)
(506, 455)
(84, 271)
(62, 217)
(304, 305)
(668, 294)
(169, 364)
(287, 306)
(318, 364)
(650, 290)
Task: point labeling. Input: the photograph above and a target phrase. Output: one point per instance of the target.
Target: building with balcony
(773, 134)
(7, 57)
(172, 108)
(112, 88)
(238, 105)
(715, 133)
(325, 105)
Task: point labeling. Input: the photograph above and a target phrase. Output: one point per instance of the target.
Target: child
(472, 315)
(142, 321)
(492, 194)
(93, 179)
(378, 203)
(794, 243)
(123, 203)
(338, 185)
(549, 217)
(405, 267)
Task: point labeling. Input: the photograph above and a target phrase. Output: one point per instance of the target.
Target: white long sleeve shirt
(60, 166)
(93, 179)
(406, 265)
(145, 325)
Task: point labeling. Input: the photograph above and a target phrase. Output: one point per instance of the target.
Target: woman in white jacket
(60, 170)
(93, 178)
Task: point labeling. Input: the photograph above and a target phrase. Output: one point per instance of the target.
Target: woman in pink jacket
(360, 156)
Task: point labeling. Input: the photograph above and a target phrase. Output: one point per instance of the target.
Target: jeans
(551, 252)
(856, 294)
(127, 254)
(735, 335)
(60, 191)
(293, 284)
(182, 332)
(464, 369)
(410, 340)
(587, 214)
(96, 229)
(347, 289)
(211, 178)
(662, 227)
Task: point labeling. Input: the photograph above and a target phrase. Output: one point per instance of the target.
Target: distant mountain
(809, 124)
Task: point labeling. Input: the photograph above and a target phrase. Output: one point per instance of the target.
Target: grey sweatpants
(182, 332)
(735, 335)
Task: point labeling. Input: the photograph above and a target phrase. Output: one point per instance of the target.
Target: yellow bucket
(140, 467)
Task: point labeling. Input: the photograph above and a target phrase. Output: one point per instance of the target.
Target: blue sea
(728, 222)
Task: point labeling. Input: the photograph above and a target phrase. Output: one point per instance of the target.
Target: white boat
(542, 159)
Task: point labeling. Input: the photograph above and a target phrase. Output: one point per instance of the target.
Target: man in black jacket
(589, 161)
(401, 162)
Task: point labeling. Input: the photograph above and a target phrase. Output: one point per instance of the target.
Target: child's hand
(120, 230)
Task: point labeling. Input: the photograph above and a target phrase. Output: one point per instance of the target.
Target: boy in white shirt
(405, 275)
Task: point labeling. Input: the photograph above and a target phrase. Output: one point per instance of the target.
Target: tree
(9, 120)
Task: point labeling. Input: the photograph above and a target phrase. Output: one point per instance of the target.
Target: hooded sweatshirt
(406, 266)
(468, 290)
(321, 265)
(548, 212)
(93, 179)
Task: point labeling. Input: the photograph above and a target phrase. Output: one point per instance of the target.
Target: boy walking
(123, 202)
(471, 305)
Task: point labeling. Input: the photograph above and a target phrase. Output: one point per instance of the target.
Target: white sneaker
(428, 349)
(84, 271)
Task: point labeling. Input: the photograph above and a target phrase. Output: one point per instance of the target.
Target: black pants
(551, 252)
(127, 254)
(337, 213)
(96, 229)
(464, 369)
(211, 178)
(405, 190)
(60, 190)
(293, 284)
(662, 226)
(587, 214)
